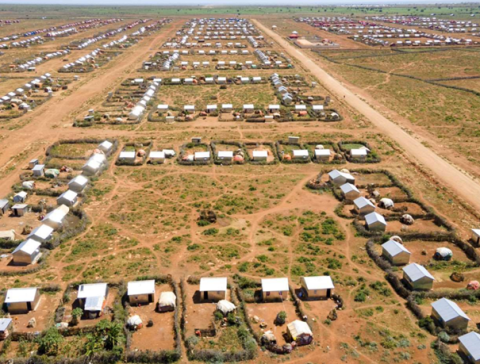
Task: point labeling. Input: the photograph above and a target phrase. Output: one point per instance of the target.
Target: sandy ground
(160, 336)
(448, 173)
(48, 123)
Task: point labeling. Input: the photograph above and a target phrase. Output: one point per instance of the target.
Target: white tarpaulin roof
(5, 323)
(225, 306)
(7, 234)
(167, 299)
(298, 328)
(134, 320)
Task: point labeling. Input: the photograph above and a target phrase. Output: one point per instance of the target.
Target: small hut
(167, 302)
(299, 332)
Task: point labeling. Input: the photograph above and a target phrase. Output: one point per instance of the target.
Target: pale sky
(227, 2)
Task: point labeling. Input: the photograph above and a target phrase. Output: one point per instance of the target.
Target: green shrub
(211, 231)
(50, 341)
(281, 318)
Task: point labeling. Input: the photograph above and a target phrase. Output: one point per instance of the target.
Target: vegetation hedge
(279, 149)
(162, 356)
(372, 156)
(216, 160)
(146, 146)
(272, 148)
(193, 163)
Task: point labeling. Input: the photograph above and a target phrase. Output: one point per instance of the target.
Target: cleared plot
(470, 84)
(126, 263)
(267, 313)
(43, 314)
(201, 96)
(85, 321)
(76, 150)
(160, 336)
(450, 63)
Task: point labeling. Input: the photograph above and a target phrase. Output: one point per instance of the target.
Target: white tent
(225, 306)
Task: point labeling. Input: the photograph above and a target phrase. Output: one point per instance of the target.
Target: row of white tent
(219, 33)
(29, 250)
(139, 109)
(93, 54)
(210, 52)
(30, 64)
(101, 37)
(70, 28)
(20, 92)
(211, 80)
(205, 45)
(23, 43)
(61, 33)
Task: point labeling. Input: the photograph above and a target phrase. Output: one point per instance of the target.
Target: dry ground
(144, 219)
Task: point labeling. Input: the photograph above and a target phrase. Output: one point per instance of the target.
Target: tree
(110, 332)
(76, 314)
(107, 335)
(49, 343)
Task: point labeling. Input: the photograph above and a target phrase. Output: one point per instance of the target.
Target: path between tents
(447, 173)
(40, 126)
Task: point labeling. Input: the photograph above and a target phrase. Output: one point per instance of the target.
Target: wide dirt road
(445, 172)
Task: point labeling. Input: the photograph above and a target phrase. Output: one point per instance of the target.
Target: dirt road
(447, 173)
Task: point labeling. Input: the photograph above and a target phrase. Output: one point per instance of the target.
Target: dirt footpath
(447, 173)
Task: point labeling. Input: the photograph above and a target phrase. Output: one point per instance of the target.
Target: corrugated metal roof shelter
(375, 221)
(363, 205)
(348, 188)
(394, 248)
(26, 252)
(78, 183)
(141, 287)
(41, 233)
(16, 295)
(448, 310)
(213, 284)
(318, 282)
(274, 284)
(55, 217)
(470, 345)
(5, 323)
(418, 277)
(92, 290)
(340, 178)
(416, 271)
